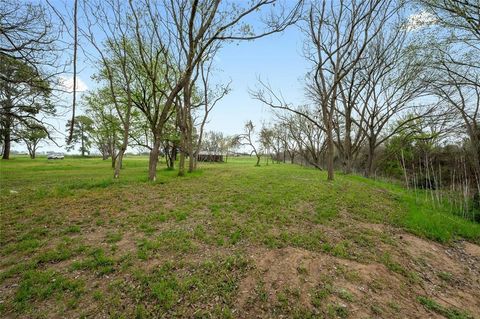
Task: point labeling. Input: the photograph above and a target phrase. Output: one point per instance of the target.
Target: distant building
(204, 157)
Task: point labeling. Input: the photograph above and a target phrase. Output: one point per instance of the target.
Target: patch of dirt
(128, 243)
(472, 249)
(365, 290)
(381, 228)
(433, 253)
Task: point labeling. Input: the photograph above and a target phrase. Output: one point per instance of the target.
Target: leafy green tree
(32, 136)
(106, 134)
(82, 134)
(408, 146)
(24, 94)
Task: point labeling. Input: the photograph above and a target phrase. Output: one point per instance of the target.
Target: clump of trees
(30, 66)
(154, 63)
(390, 94)
(156, 60)
(24, 101)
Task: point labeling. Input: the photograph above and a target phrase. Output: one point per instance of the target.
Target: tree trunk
(181, 164)
(6, 144)
(118, 162)
(191, 162)
(173, 155)
(183, 149)
(327, 113)
(83, 149)
(121, 151)
(114, 159)
(153, 160)
(347, 156)
(330, 152)
(258, 161)
(347, 146)
(166, 150)
(370, 155)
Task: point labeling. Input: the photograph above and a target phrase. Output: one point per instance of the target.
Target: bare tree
(305, 125)
(210, 97)
(247, 139)
(460, 15)
(27, 34)
(113, 55)
(459, 88)
(285, 135)
(339, 33)
(395, 77)
(200, 26)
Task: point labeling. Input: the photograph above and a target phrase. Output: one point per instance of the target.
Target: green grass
(96, 262)
(41, 285)
(73, 241)
(423, 217)
(447, 312)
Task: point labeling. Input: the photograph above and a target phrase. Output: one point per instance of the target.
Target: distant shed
(210, 158)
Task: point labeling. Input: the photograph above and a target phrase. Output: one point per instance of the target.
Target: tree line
(389, 93)
(154, 62)
(393, 86)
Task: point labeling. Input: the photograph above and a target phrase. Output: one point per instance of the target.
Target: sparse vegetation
(74, 249)
(447, 312)
(356, 195)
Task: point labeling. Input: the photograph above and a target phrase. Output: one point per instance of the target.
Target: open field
(229, 241)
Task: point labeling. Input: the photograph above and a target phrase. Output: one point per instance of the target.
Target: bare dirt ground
(450, 275)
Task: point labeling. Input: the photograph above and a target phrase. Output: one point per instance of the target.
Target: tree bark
(330, 154)
(347, 148)
(123, 148)
(6, 144)
(33, 152)
(192, 157)
(153, 160)
(118, 163)
(192, 160)
(258, 161)
(181, 164)
(114, 159)
(370, 155)
(82, 139)
(173, 156)
(166, 151)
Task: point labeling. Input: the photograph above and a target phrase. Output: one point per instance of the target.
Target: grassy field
(230, 241)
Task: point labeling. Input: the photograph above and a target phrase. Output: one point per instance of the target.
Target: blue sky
(276, 59)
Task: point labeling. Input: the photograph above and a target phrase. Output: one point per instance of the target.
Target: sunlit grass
(69, 222)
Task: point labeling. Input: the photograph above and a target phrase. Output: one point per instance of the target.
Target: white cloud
(420, 20)
(67, 84)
